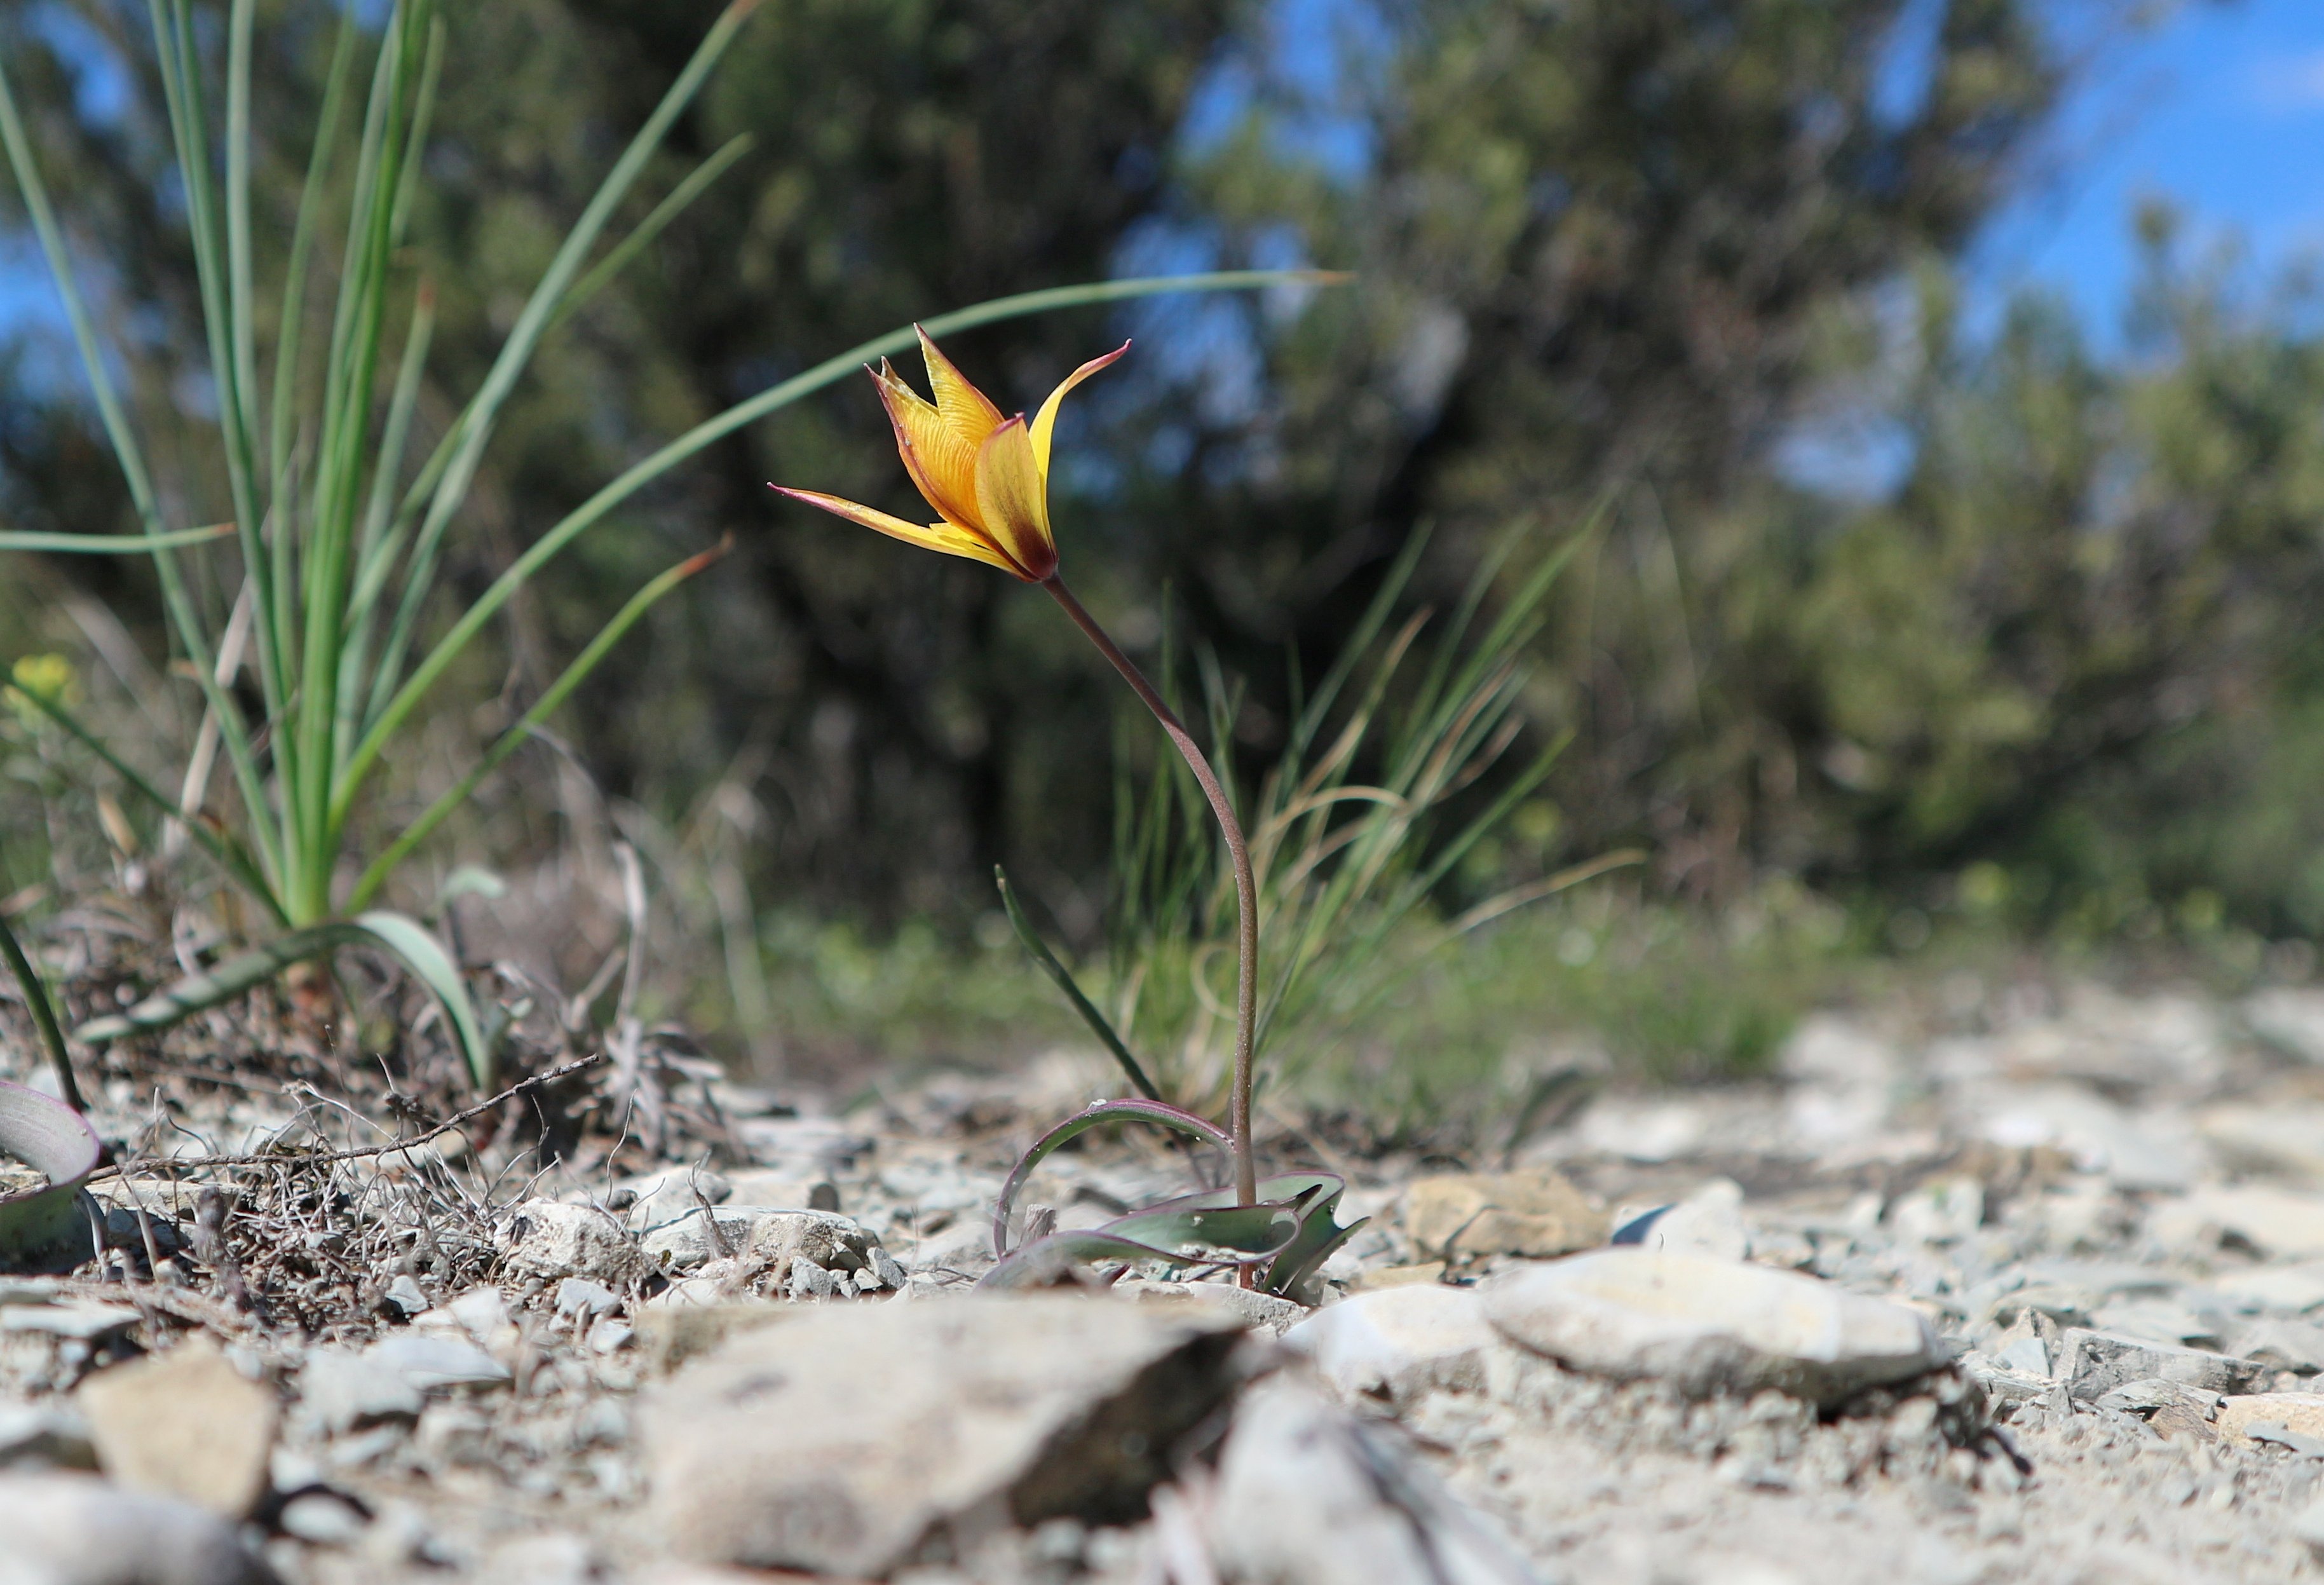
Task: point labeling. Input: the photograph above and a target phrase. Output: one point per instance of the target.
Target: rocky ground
(2025, 1287)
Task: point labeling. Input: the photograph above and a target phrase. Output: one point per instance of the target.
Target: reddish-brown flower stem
(1246, 1162)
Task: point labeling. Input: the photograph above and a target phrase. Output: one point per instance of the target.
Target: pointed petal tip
(1045, 423)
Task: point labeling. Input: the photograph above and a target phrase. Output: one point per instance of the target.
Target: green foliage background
(1618, 249)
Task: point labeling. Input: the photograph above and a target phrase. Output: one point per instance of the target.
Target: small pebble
(322, 1518)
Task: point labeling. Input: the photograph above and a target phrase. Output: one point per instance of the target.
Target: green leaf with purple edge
(1320, 1233)
(1229, 1235)
(1315, 1197)
(1159, 1113)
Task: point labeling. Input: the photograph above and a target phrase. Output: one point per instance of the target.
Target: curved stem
(1246, 887)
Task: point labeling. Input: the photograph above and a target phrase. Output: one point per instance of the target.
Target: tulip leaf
(1175, 1232)
(1320, 1233)
(1292, 1229)
(1159, 1113)
(1316, 1197)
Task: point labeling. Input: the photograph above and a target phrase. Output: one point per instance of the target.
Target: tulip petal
(1013, 500)
(967, 412)
(948, 538)
(942, 465)
(1045, 422)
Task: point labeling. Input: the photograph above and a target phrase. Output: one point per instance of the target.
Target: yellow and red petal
(942, 465)
(967, 412)
(948, 538)
(1045, 422)
(1012, 500)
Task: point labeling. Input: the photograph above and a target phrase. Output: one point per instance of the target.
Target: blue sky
(2219, 110)
(2216, 106)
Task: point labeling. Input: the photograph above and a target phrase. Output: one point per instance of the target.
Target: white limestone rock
(2095, 1363)
(1709, 1326)
(839, 1442)
(1398, 1342)
(77, 1530)
(1308, 1494)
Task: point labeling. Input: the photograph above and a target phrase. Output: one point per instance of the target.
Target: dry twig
(328, 1158)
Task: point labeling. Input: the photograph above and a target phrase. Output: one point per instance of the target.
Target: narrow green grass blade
(350, 372)
(1359, 642)
(109, 544)
(415, 137)
(412, 944)
(240, 295)
(43, 1011)
(220, 846)
(403, 938)
(200, 992)
(281, 414)
(1061, 977)
(277, 583)
(185, 619)
(1523, 616)
(605, 270)
(1520, 787)
(377, 545)
(424, 676)
(571, 677)
(478, 423)
(347, 547)
(181, 84)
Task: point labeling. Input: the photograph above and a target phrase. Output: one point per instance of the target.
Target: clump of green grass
(1356, 829)
(323, 588)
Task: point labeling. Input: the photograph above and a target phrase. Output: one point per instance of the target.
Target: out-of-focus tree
(904, 158)
(883, 711)
(2080, 642)
(1605, 245)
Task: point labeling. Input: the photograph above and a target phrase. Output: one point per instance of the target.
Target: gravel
(2021, 1285)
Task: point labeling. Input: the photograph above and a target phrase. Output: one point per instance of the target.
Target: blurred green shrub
(2075, 657)
(1598, 240)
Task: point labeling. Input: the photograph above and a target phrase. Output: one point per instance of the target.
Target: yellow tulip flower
(987, 477)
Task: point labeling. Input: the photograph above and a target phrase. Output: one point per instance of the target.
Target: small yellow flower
(50, 676)
(988, 477)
